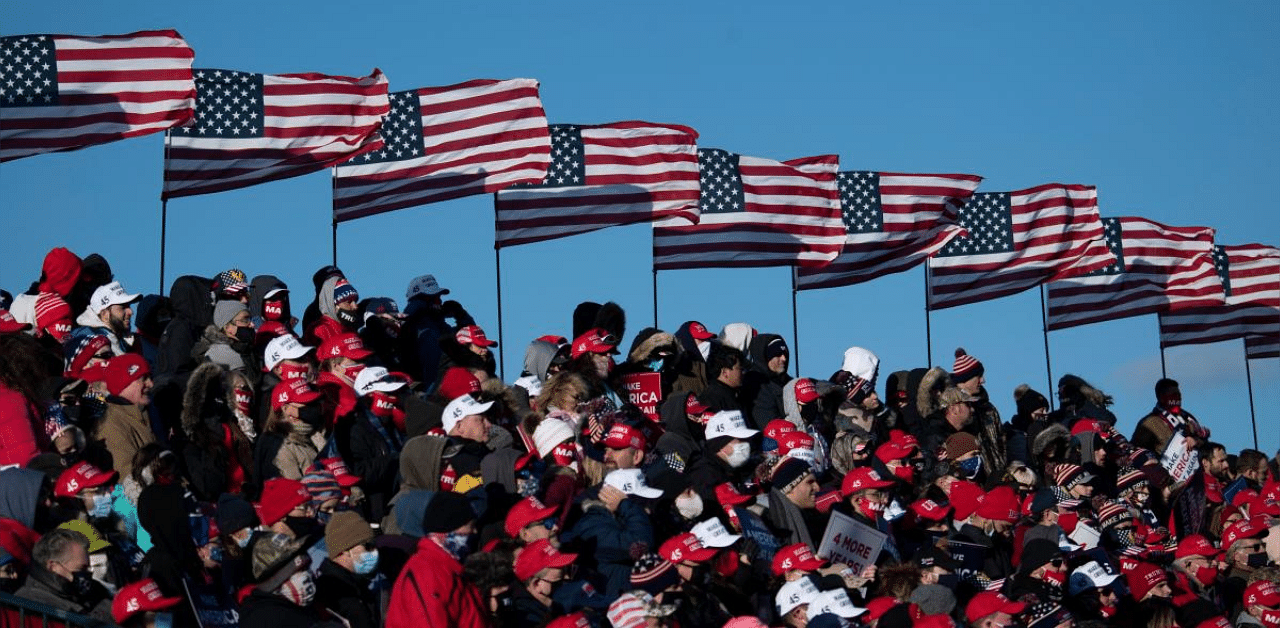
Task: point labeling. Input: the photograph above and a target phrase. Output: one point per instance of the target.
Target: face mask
(871, 509)
(164, 620)
(294, 371)
(367, 562)
(704, 347)
(1258, 559)
(655, 365)
(1270, 619)
(738, 456)
(448, 478)
(905, 473)
(310, 415)
(244, 398)
(347, 318)
(458, 545)
(353, 371)
(81, 582)
(1206, 575)
(950, 581)
(689, 507)
(215, 553)
(970, 467)
(244, 542)
(246, 335)
(9, 585)
(299, 589)
(1067, 521)
(565, 455)
(101, 507)
(301, 526)
(1055, 579)
(383, 405)
(273, 310)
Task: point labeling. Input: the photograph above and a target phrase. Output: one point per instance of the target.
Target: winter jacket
(612, 539)
(654, 344)
(789, 523)
(370, 456)
(123, 430)
(348, 595)
(691, 369)
(20, 494)
(762, 388)
(20, 429)
(295, 455)
(990, 431)
(50, 589)
(214, 346)
(998, 563)
(1155, 431)
(527, 612)
(192, 312)
(720, 398)
(682, 438)
(327, 324)
(537, 359)
(268, 610)
(432, 591)
(119, 346)
(217, 454)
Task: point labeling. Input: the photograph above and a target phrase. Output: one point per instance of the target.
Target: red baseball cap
(1253, 527)
(727, 495)
(877, 607)
(798, 556)
(80, 477)
(930, 510)
(525, 512)
(594, 340)
(344, 476)
(457, 382)
(343, 346)
(1144, 577)
(965, 497)
(10, 325)
(279, 496)
(473, 335)
(794, 440)
(696, 408)
(861, 479)
(123, 370)
(140, 597)
(699, 331)
(686, 547)
(540, 555)
(572, 620)
(1195, 545)
(777, 428)
(990, 603)
(623, 436)
(292, 391)
(1001, 504)
(806, 392)
(894, 450)
(1262, 593)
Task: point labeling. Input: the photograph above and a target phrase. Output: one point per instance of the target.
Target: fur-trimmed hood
(1074, 390)
(208, 396)
(933, 381)
(650, 341)
(1046, 437)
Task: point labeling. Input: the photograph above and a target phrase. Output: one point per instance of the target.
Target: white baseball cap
(795, 593)
(712, 533)
(631, 482)
(424, 284)
(110, 294)
(373, 378)
(1090, 575)
(835, 602)
(728, 423)
(461, 408)
(283, 348)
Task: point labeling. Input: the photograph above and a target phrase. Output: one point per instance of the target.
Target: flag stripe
(307, 121)
(630, 172)
(94, 89)
(1252, 303)
(1261, 347)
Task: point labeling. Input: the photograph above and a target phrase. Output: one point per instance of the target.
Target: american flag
(1018, 240)
(893, 222)
(448, 142)
(1158, 268)
(60, 92)
(757, 212)
(254, 128)
(1261, 347)
(1250, 276)
(603, 176)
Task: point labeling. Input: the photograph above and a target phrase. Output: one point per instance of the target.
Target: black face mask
(950, 581)
(246, 335)
(347, 318)
(81, 582)
(1258, 559)
(310, 415)
(9, 585)
(302, 526)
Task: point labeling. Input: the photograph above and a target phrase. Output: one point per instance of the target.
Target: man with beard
(109, 314)
(624, 448)
(1157, 429)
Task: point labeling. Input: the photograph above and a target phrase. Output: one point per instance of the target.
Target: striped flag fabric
(601, 176)
(63, 92)
(1261, 347)
(1250, 275)
(892, 222)
(1158, 268)
(448, 142)
(253, 128)
(757, 212)
(1018, 240)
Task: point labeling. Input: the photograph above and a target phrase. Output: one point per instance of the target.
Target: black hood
(190, 299)
(162, 512)
(258, 288)
(686, 340)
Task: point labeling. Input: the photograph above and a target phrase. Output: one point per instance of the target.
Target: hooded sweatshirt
(737, 335)
(691, 370)
(192, 312)
(328, 324)
(762, 388)
(537, 359)
(45, 307)
(20, 495)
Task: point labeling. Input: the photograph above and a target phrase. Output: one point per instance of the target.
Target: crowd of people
(208, 459)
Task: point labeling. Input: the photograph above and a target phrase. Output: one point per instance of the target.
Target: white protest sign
(849, 542)
(1179, 460)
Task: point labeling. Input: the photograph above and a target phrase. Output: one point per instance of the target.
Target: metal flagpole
(164, 214)
(1248, 378)
(655, 298)
(928, 332)
(795, 323)
(1164, 371)
(334, 180)
(1048, 364)
(497, 258)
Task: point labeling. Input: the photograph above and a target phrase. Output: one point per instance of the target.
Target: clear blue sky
(1167, 107)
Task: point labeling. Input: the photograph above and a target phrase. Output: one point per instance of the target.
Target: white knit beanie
(550, 432)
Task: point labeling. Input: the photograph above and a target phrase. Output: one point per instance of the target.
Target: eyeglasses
(1057, 562)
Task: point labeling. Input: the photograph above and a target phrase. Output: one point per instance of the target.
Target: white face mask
(299, 588)
(704, 347)
(738, 457)
(689, 507)
(98, 566)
